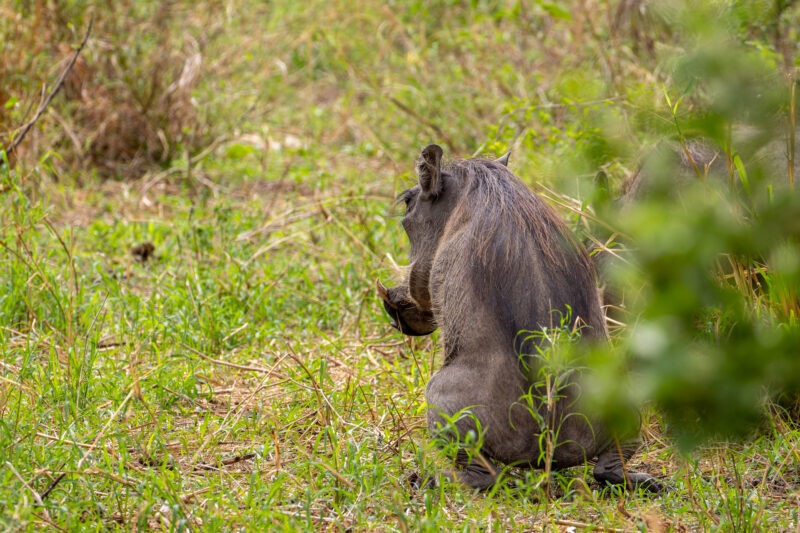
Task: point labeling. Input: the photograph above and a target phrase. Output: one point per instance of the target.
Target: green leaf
(737, 162)
(556, 11)
(239, 151)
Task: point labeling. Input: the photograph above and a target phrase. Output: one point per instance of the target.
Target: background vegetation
(238, 373)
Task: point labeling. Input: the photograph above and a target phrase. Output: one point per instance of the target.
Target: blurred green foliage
(712, 221)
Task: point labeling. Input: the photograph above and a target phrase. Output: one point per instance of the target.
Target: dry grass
(128, 100)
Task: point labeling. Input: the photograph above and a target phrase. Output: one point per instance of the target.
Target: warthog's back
(506, 263)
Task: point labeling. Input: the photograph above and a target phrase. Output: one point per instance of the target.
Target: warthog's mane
(518, 250)
(501, 210)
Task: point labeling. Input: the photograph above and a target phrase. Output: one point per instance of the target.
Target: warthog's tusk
(383, 292)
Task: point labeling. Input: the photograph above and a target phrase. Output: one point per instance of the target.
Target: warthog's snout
(407, 317)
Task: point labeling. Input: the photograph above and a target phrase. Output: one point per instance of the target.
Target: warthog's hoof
(640, 480)
(419, 482)
(655, 486)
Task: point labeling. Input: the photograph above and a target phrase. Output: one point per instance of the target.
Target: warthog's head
(429, 206)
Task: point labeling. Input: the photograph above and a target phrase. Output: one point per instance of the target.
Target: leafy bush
(713, 266)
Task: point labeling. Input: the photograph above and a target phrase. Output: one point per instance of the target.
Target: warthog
(490, 259)
(672, 167)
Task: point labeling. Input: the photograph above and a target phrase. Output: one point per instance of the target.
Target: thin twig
(583, 525)
(91, 447)
(338, 475)
(226, 363)
(226, 462)
(188, 497)
(60, 440)
(436, 129)
(37, 498)
(27, 127)
(315, 386)
(792, 125)
(53, 485)
(105, 427)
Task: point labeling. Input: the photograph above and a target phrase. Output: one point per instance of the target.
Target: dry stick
(94, 444)
(97, 472)
(39, 499)
(699, 502)
(792, 124)
(189, 496)
(53, 485)
(293, 237)
(237, 415)
(238, 459)
(582, 525)
(556, 198)
(226, 363)
(106, 426)
(277, 450)
(27, 127)
(315, 387)
(11, 381)
(25, 484)
(303, 211)
(344, 228)
(75, 443)
(268, 371)
(278, 224)
(436, 129)
(225, 462)
(338, 475)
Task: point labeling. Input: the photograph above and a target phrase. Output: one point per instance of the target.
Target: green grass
(245, 376)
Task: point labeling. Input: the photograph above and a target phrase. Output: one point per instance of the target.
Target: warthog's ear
(504, 159)
(429, 170)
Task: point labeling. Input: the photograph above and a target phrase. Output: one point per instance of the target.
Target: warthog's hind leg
(480, 473)
(609, 469)
(476, 472)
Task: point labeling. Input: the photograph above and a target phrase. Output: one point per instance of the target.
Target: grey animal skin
(490, 259)
(671, 166)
